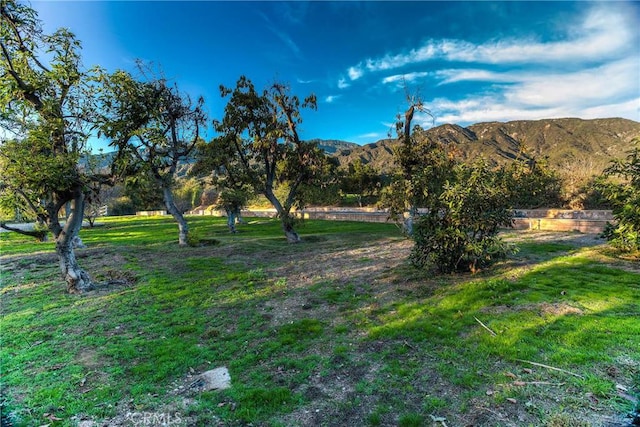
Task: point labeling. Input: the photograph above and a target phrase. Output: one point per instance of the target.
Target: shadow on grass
(568, 311)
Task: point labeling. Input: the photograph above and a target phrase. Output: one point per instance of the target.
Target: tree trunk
(183, 227)
(285, 218)
(289, 232)
(77, 279)
(231, 219)
(238, 213)
(410, 220)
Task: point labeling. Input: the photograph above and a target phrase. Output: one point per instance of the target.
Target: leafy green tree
(154, 127)
(459, 230)
(187, 193)
(219, 163)
(261, 130)
(426, 166)
(451, 210)
(361, 179)
(46, 105)
(625, 200)
(532, 184)
(324, 187)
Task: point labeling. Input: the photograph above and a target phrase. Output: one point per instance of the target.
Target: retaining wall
(151, 213)
(591, 221)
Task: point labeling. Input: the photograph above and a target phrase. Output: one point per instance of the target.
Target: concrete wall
(151, 213)
(593, 221)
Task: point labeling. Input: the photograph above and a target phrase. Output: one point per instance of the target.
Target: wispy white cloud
(283, 36)
(342, 83)
(369, 137)
(304, 82)
(592, 72)
(477, 75)
(331, 98)
(611, 81)
(630, 108)
(602, 33)
(400, 78)
(610, 90)
(577, 93)
(389, 62)
(355, 72)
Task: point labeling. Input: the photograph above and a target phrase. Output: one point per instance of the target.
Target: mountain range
(560, 141)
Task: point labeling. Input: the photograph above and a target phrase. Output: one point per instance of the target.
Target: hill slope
(331, 146)
(560, 140)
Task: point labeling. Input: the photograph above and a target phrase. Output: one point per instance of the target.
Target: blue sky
(469, 61)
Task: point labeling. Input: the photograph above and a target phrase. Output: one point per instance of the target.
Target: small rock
(215, 379)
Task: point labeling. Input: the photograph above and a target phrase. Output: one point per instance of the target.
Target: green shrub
(121, 206)
(459, 231)
(463, 206)
(531, 184)
(625, 201)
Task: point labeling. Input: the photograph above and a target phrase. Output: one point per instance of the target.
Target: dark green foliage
(427, 166)
(361, 179)
(143, 192)
(462, 206)
(259, 137)
(154, 127)
(532, 184)
(625, 200)
(459, 230)
(46, 105)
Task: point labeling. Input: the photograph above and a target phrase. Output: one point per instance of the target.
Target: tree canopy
(154, 127)
(259, 131)
(46, 108)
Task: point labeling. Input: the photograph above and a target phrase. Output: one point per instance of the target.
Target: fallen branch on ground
(523, 383)
(485, 326)
(550, 367)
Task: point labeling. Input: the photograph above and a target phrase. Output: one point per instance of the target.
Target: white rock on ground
(215, 379)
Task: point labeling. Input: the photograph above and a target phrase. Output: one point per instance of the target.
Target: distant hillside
(331, 146)
(560, 140)
(100, 161)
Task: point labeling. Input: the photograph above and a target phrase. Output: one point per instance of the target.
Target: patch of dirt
(544, 308)
(558, 309)
(576, 239)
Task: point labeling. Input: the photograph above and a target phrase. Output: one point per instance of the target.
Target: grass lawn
(337, 331)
